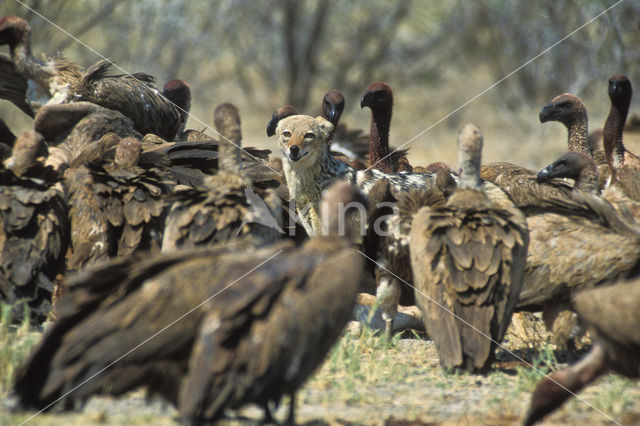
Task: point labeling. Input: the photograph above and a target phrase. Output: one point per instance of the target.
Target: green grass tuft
(15, 343)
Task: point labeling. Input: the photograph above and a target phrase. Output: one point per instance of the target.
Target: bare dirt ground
(367, 380)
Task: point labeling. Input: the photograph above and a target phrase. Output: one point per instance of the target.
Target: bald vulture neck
(612, 135)
(379, 139)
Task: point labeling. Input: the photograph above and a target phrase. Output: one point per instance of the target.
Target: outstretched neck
(612, 135)
(379, 139)
(26, 64)
(577, 135)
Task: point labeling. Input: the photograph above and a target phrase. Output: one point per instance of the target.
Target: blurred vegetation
(436, 55)
(15, 343)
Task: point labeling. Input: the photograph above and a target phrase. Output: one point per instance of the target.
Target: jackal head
(302, 139)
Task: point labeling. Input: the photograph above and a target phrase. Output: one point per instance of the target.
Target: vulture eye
(565, 104)
(286, 134)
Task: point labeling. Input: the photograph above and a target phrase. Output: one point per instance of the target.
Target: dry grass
(369, 380)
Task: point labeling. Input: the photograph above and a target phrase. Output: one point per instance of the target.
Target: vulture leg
(291, 418)
(388, 295)
(268, 417)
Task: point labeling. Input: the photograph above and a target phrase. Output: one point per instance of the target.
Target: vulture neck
(469, 170)
(379, 139)
(229, 156)
(612, 135)
(578, 131)
(25, 63)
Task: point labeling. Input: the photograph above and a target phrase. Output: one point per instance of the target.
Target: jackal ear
(324, 125)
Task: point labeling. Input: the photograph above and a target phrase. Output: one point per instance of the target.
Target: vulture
(48, 81)
(379, 98)
(569, 110)
(468, 258)
(576, 242)
(582, 169)
(135, 96)
(612, 315)
(178, 92)
(59, 81)
(347, 150)
(573, 165)
(625, 166)
(34, 229)
(279, 114)
(226, 206)
(116, 207)
(389, 221)
(208, 329)
(521, 184)
(74, 128)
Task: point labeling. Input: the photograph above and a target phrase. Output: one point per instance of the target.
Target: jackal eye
(286, 134)
(309, 135)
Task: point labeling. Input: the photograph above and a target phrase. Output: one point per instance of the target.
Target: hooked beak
(271, 125)
(365, 100)
(547, 112)
(333, 115)
(545, 174)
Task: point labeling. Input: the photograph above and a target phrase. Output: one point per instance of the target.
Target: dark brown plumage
(389, 221)
(379, 98)
(13, 86)
(281, 113)
(74, 128)
(227, 206)
(135, 96)
(116, 208)
(468, 257)
(7, 139)
(612, 315)
(179, 92)
(625, 166)
(521, 185)
(60, 81)
(34, 230)
(274, 314)
(332, 107)
(573, 165)
(350, 145)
